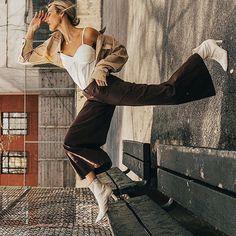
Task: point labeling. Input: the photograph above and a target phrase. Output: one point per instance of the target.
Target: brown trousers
(88, 132)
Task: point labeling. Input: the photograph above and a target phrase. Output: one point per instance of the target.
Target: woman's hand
(37, 20)
(101, 82)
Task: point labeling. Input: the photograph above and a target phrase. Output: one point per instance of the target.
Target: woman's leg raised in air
(190, 82)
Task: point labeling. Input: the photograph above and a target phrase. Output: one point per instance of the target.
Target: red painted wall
(15, 103)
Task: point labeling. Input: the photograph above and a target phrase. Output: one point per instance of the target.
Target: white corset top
(81, 65)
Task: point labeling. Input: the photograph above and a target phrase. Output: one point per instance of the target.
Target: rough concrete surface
(159, 36)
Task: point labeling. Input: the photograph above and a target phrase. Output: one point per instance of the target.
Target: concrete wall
(13, 76)
(159, 35)
(56, 113)
(89, 12)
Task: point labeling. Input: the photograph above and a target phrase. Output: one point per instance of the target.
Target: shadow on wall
(228, 112)
(169, 56)
(183, 28)
(175, 28)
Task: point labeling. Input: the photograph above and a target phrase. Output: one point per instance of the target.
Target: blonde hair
(68, 7)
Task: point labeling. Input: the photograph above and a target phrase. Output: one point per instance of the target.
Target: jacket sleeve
(33, 56)
(114, 61)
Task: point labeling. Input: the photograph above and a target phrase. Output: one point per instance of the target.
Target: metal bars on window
(13, 162)
(14, 123)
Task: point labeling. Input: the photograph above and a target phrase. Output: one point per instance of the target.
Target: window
(14, 123)
(43, 32)
(13, 162)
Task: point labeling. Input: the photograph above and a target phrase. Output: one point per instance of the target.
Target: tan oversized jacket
(110, 54)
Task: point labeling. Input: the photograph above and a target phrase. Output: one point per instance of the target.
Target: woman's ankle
(90, 177)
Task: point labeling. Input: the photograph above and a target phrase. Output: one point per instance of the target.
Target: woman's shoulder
(90, 31)
(90, 35)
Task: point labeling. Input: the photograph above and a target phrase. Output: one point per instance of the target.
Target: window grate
(13, 162)
(14, 123)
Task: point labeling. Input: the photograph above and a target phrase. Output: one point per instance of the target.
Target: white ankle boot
(102, 193)
(210, 49)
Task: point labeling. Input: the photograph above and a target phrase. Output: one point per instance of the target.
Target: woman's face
(53, 18)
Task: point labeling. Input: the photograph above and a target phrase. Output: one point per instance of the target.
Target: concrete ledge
(212, 166)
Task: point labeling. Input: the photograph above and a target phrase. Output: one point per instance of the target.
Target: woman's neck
(68, 31)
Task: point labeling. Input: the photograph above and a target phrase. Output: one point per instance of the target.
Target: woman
(90, 57)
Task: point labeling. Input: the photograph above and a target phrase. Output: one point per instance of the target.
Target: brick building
(18, 127)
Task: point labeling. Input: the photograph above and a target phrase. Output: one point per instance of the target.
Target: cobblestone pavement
(49, 211)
